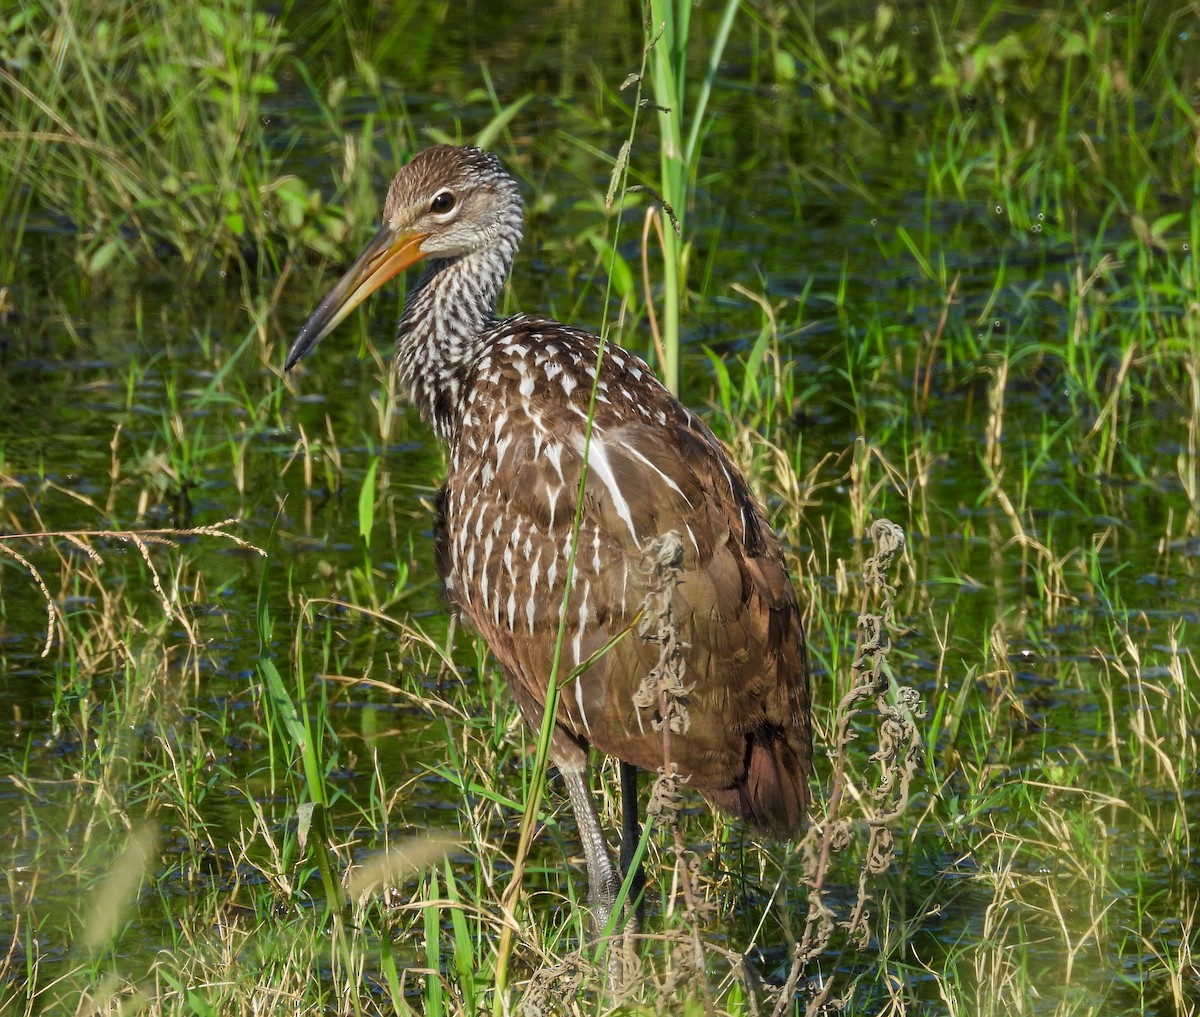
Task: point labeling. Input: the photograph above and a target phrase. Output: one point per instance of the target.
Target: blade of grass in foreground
(314, 827)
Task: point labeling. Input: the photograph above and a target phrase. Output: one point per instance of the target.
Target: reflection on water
(121, 407)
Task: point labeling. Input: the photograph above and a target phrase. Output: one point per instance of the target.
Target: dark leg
(631, 834)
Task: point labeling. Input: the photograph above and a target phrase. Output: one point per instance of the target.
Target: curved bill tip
(390, 252)
(305, 341)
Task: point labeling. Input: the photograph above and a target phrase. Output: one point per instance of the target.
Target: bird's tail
(773, 794)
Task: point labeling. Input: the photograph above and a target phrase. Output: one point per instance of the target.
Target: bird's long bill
(389, 253)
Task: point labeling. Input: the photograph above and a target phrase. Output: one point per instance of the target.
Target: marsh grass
(306, 800)
(168, 161)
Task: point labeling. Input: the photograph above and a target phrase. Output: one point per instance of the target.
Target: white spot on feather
(483, 578)
(554, 454)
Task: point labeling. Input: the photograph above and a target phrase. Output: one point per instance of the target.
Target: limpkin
(510, 398)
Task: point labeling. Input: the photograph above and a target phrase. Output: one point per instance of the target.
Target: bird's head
(449, 202)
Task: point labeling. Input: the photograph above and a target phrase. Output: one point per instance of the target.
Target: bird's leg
(631, 834)
(603, 880)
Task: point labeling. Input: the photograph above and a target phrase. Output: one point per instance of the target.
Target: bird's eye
(443, 202)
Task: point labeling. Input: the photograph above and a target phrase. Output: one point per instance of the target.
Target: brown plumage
(510, 398)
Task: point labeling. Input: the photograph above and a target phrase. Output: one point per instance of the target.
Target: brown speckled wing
(505, 533)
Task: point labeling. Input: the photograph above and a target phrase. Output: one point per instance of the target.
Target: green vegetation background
(963, 239)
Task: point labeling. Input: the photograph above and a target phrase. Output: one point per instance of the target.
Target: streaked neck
(445, 320)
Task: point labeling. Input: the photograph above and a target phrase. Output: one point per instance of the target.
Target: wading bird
(511, 399)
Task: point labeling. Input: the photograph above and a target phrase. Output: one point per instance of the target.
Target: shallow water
(774, 211)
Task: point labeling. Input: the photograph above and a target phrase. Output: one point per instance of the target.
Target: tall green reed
(681, 133)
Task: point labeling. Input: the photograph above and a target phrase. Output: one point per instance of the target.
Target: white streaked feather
(579, 703)
(666, 479)
(597, 455)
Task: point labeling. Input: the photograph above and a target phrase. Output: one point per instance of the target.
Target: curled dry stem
(666, 689)
(898, 756)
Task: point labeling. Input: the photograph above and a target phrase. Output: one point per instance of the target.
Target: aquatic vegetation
(936, 265)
